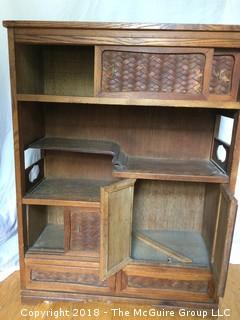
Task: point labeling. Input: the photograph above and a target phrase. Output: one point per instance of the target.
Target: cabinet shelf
(175, 170)
(77, 145)
(137, 167)
(129, 101)
(63, 191)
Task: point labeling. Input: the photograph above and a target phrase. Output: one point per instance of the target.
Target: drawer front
(152, 72)
(167, 73)
(71, 279)
(165, 283)
(82, 231)
(222, 74)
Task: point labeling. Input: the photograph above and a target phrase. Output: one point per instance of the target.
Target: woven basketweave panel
(152, 72)
(222, 69)
(85, 232)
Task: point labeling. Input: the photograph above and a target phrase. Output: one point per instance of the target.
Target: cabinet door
(223, 241)
(116, 226)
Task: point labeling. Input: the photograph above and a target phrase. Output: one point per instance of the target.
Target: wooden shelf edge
(118, 25)
(171, 177)
(129, 101)
(58, 202)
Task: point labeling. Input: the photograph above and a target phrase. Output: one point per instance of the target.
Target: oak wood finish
(168, 144)
(217, 104)
(119, 25)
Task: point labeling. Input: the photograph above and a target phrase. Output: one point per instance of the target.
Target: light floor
(10, 305)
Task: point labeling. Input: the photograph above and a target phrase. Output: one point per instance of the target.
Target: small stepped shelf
(129, 101)
(81, 145)
(136, 167)
(62, 191)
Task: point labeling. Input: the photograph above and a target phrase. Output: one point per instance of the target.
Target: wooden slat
(130, 101)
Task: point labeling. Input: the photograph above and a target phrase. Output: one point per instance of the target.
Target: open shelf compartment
(148, 143)
(72, 231)
(55, 70)
(66, 190)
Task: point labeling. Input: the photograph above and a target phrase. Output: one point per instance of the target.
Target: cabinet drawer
(167, 73)
(154, 71)
(71, 279)
(165, 283)
(82, 231)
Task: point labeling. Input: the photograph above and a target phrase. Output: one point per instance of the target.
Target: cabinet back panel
(55, 215)
(152, 132)
(68, 70)
(29, 69)
(55, 70)
(32, 122)
(77, 165)
(162, 205)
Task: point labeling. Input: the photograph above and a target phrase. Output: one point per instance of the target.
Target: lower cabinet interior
(45, 228)
(178, 235)
(172, 223)
(169, 219)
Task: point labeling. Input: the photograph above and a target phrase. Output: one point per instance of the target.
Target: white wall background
(172, 11)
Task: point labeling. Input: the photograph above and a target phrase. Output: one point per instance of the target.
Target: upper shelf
(129, 101)
(128, 75)
(125, 166)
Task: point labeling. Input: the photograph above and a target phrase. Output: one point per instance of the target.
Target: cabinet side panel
(235, 153)
(18, 151)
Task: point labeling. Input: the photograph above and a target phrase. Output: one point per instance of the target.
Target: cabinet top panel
(119, 25)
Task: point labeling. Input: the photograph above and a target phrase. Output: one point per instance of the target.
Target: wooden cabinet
(130, 195)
